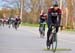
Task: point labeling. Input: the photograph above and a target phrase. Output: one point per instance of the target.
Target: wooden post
(21, 8)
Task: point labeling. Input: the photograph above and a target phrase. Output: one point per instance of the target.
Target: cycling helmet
(55, 4)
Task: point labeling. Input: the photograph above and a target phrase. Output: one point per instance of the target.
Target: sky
(8, 3)
(4, 3)
(1, 3)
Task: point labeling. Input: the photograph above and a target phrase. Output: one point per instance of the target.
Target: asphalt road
(27, 40)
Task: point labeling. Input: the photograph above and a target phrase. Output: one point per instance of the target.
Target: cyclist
(17, 21)
(54, 18)
(43, 17)
(0, 22)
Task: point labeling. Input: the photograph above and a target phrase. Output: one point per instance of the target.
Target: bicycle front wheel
(54, 43)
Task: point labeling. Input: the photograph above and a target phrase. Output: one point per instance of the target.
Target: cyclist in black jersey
(54, 18)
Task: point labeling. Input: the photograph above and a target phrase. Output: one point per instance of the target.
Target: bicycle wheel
(54, 43)
(15, 26)
(41, 31)
(49, 43)
(9, 26)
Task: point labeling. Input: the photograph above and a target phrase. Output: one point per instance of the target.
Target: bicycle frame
(53, 31)
(51, 40)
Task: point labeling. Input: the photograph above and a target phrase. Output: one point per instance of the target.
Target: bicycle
(42, 29)
(9, 24)
(16, 24)
(53, 40)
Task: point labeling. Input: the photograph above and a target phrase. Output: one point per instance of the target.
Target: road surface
(27, 40)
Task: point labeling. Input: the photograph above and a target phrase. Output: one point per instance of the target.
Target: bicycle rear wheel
(42, 32)
(54, 43)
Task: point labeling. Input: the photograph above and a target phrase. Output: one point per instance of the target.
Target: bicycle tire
(48, 46)
(49, 43)
(15, 27)
(54, 43)
(42, 32)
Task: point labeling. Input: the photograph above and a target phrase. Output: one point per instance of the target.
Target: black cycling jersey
(42, 18)
(54, 16)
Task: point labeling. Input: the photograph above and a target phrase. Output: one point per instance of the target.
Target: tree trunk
(70, 14)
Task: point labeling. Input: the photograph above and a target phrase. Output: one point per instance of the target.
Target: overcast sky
(7, 3)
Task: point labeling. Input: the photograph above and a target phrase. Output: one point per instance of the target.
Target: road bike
(52, 40)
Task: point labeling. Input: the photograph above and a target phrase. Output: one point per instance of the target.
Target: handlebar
(61, 26)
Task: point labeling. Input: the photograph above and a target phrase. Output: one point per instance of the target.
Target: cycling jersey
(42, 18)
(54, 16)
(18, 20)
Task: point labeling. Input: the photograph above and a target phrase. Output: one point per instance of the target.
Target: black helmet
(55, 4)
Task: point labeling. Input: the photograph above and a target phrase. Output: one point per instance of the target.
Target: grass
(70, 30)
(37, 25)
(31, 25)
(59, 49)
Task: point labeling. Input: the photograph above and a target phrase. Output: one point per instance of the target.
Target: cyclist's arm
(49, 16)
(59, 15)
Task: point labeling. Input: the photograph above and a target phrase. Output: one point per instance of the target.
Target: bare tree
(70, 14)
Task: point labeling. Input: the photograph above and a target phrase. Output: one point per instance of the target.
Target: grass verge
(70, 30)
(37, 25)
(30, 25)
(59, 49)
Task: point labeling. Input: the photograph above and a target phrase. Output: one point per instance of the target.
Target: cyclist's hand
(51, 25)
(58, 25)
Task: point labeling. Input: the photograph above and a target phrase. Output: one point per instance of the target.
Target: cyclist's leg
(48, 33)
(57, 29)
(44, 27)
(15, 23)
(55, 33)
(18, 24)
(40, 26)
